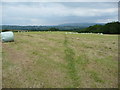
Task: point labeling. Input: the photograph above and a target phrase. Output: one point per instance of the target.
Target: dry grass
(56, 60)
(0, 65)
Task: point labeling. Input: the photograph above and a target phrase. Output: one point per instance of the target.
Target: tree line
(109, 28)
(41, 28)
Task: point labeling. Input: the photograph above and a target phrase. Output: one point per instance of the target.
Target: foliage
(41, 28)
(109, 28)
(53, 29)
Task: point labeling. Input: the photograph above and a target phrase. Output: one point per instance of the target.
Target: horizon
(54, 25)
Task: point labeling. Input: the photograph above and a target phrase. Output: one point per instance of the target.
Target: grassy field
(60, 60)
(0, 65)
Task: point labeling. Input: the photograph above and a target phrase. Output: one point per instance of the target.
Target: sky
(55, 13)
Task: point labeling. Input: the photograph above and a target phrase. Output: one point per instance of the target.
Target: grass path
(70, 58)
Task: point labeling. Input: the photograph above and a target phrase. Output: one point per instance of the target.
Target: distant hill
(61, 27)
(41, 28)
(109, 28)
(81, 24)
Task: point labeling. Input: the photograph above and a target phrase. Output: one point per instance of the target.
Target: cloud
(56, 13)
(60, 0)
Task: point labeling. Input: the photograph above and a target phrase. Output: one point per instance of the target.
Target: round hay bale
(7, 36)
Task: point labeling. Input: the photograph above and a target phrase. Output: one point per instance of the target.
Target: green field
(60, 60)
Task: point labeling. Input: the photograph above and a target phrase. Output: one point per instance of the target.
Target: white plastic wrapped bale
(7, 36)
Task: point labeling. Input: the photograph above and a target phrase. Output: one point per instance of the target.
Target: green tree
(53, 29)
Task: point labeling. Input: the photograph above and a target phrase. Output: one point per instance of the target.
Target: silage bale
(7, 36)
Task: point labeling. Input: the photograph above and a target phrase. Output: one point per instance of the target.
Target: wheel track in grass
(70, 59)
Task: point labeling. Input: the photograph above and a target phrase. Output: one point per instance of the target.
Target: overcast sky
(49, 13)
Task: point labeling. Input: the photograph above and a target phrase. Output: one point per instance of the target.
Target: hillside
(109, 28)
(81, 24)
(61, 27)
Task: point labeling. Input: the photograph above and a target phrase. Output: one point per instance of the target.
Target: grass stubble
(56, 60)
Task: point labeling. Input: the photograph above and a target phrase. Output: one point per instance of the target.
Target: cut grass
(71, 63)
(0, 65)
(59, 60)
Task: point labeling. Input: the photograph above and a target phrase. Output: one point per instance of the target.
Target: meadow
(0, 65)
(60, 60)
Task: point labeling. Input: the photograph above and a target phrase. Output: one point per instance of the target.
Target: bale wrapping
(7, 36)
